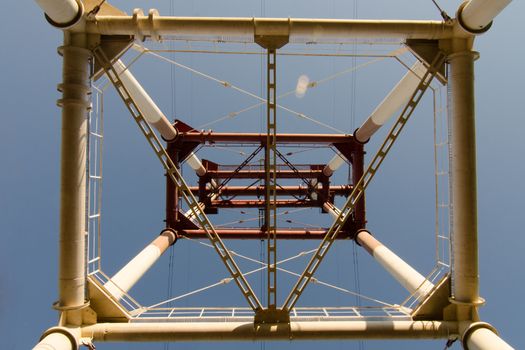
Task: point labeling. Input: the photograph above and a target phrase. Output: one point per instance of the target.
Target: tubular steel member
(223, 137)
(149, 109)
(62, 13)
(395, 99)
(465, 279)
(475, 16)
(126, 278)
(282, 233)
(246, 28)
(227, 331)
(59, 338)
(405, 274)
(75, 104)
(483, 336)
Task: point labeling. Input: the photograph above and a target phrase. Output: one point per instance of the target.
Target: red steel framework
(253, 196)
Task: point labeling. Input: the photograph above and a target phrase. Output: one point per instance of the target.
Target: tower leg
(75, 104)
(463, 178)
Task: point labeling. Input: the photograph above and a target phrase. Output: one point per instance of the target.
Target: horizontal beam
(261, 203)
(339, 190)
(213, 137)
(258, 234)
(228, 331)
(245, 29)
(260, 174)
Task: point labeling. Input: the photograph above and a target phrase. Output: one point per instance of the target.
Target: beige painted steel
(476, 15)
(225, 331)
(75, 104)
(245, 28)
(59, 338)
(465, 279)
(484, 338)
(131, 273)
(60, 11)
(396, 98)
(149, 109)
(54, 341)
(405, 274)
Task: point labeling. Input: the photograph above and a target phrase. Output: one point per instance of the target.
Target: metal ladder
(270, 182)
(178, 180)
(360, 187)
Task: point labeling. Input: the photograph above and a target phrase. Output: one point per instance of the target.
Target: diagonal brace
(178, 180)
(359, 188)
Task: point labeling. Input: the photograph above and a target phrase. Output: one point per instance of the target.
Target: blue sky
(400, 201)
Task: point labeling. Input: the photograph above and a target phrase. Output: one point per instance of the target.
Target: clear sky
(400, 201)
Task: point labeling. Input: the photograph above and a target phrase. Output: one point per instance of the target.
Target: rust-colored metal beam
(213, 137)
(260, 174)
(256, 233)
(340, 190)
(260, 203)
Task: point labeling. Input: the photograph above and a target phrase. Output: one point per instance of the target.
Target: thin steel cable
(228, 279)
(344, 290)
(248, 93)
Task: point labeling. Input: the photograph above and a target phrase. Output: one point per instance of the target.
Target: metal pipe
(126, 278)
(62, 13)
(246, 28)
(482, 336)
(256, 233)
(465, 280)
(196, 164)
(396, 99)
(75, 104)
(149, 109)
(475, 16)
(227, 331)
(259, 174)
(405, 274)
(338, 190)
(334, 164)
(59, 338)
(214, 137)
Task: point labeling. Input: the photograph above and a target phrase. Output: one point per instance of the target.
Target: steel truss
(449, 309)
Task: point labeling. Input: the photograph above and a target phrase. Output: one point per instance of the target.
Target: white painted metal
(405, 274)
(334, 164)
(195, 163)
(476, 15)
(485, 339)
(396, 99)
(223, 331)
(60, 11)
(245, 28)
(74, 103)
(149, 109)
(465, 279)
(126, 278)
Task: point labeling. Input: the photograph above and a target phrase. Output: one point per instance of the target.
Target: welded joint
(270, 34)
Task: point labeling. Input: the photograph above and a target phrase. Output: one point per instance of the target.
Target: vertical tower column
(463, 178)
(75, 90)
